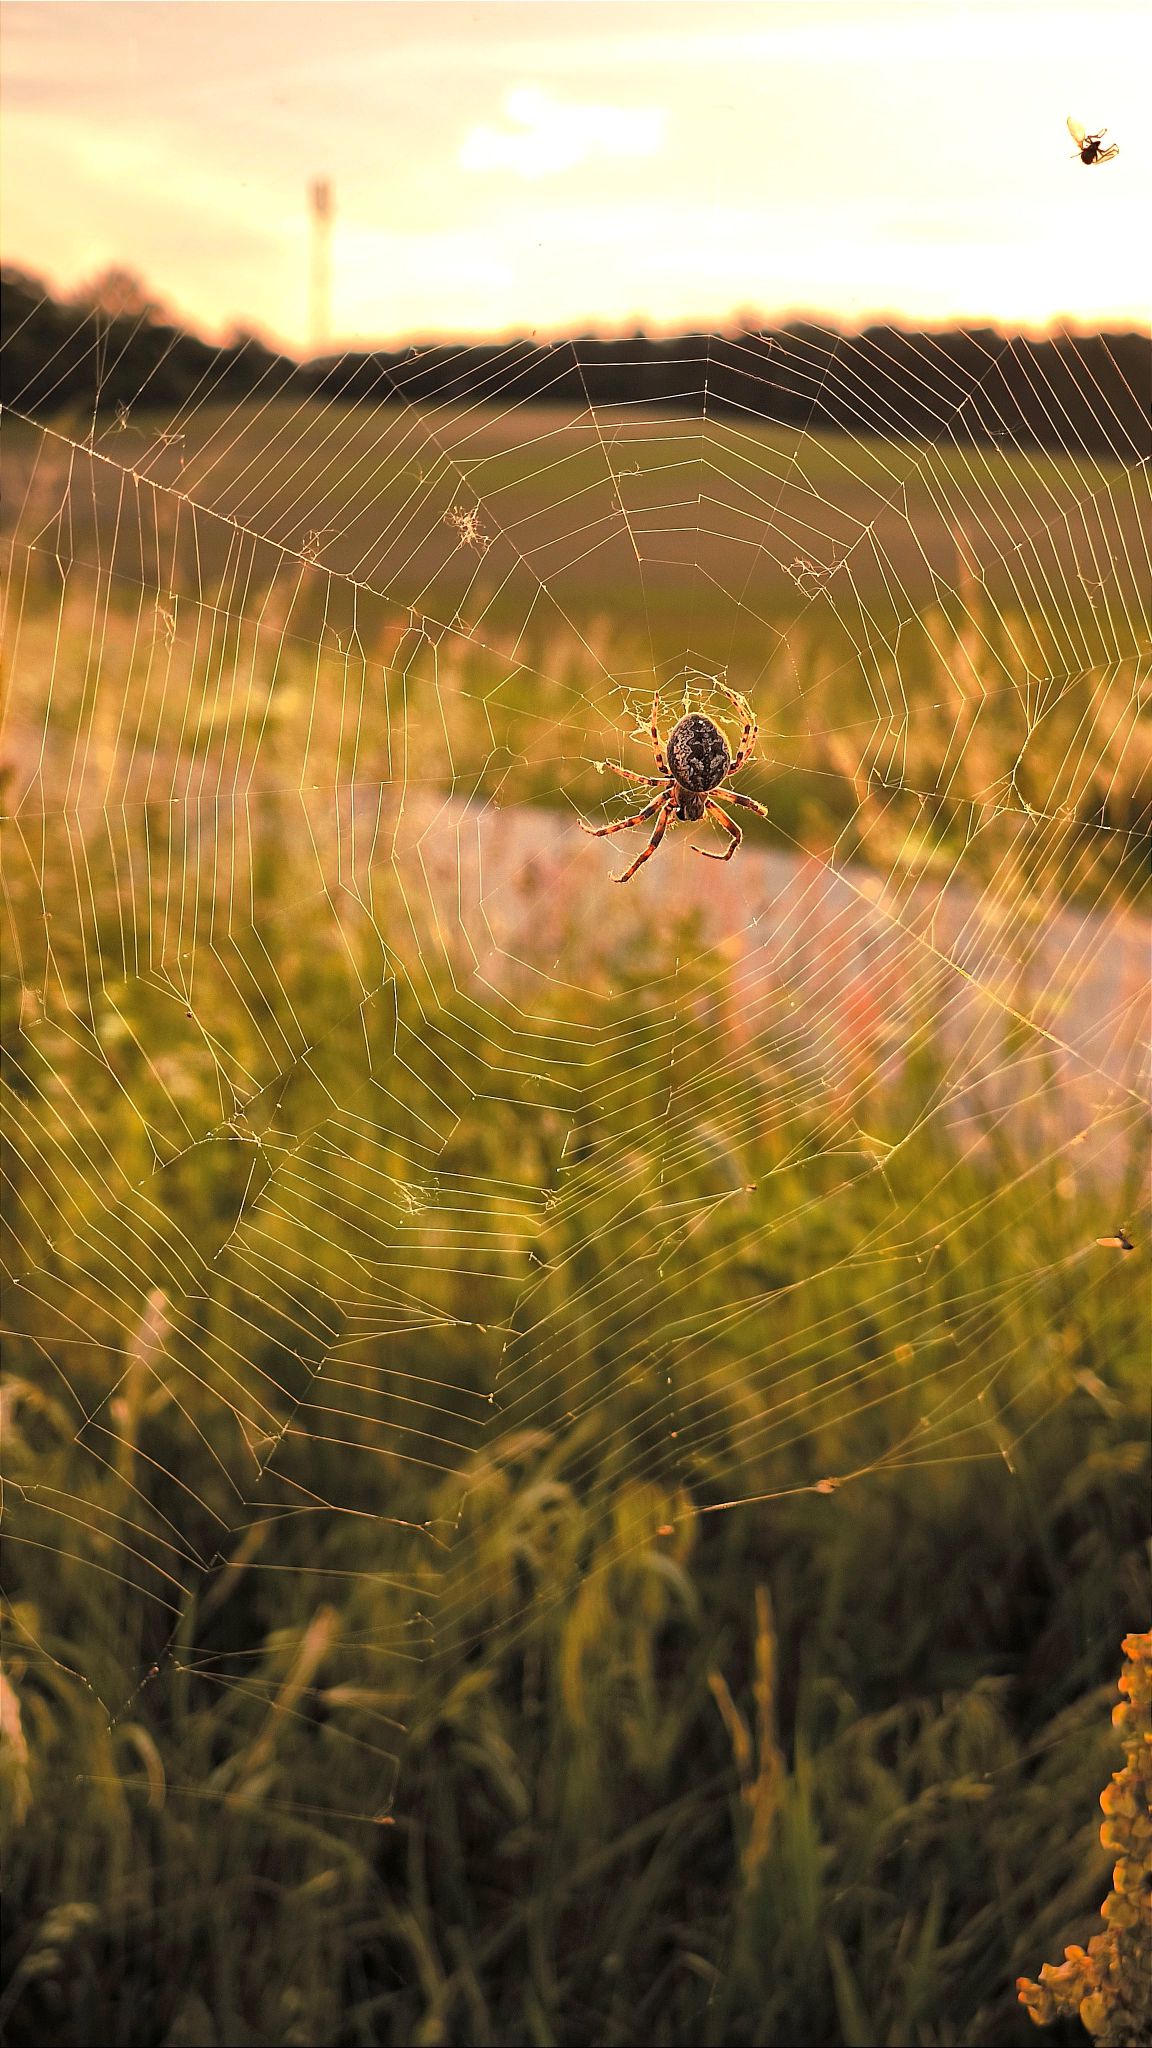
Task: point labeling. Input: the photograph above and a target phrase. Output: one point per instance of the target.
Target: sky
(522, 166)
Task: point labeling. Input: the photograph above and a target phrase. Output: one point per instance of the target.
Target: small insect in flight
(1119, 1242)
(1088, 146)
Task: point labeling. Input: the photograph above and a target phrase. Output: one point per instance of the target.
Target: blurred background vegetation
(390, 1332)
(112, 343)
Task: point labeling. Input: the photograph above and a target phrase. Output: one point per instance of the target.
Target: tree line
(112, 349)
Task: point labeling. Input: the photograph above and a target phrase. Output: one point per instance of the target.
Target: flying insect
(1088, 146)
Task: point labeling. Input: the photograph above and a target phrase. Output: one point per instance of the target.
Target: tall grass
(630, 1806)
(393, 1326)
(817, 1769)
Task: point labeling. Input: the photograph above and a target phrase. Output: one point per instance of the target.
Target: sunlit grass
(633, 1800)
(345, 1703)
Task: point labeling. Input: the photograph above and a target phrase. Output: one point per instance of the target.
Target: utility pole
(320, 208)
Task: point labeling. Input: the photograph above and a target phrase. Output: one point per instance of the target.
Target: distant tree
(14, 279)
(1084, 393)
(243, 334)
(120, 294)
(747, 320)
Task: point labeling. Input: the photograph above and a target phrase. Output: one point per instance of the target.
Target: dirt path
(1038, 1018)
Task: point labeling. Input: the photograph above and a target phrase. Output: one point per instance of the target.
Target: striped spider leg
(712, 810)
(630, 775)
(751, 732)
(658, 833)
(654, 730)
(661, 805)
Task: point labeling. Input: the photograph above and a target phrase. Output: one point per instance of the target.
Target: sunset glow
(519, 167)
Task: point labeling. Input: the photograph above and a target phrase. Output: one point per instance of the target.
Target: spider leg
(630, 774)
(653, 843)
(712, 810)
(622, 824)
(750, 733)
(732, 796)
(657, 749)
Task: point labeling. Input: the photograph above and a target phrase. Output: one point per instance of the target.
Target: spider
(1088, 146)
(695, 762)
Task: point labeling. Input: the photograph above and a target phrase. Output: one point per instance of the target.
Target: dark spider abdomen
(698, 754)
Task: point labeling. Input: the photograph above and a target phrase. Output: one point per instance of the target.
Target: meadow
(552, 1496)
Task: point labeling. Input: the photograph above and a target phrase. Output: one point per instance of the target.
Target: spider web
(370, 1153)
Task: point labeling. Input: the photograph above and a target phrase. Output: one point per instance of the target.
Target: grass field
(388, 1335)
(937, 673)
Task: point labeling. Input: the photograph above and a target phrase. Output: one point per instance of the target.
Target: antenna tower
(320, 296)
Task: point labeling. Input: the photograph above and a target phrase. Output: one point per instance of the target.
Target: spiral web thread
(364, 1137)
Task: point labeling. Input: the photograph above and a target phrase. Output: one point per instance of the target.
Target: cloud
(546, 136)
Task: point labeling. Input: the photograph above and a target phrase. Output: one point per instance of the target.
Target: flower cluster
(1110, 1982)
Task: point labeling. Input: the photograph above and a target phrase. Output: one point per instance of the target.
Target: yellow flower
(1110, 1984)
(1094, 2013)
